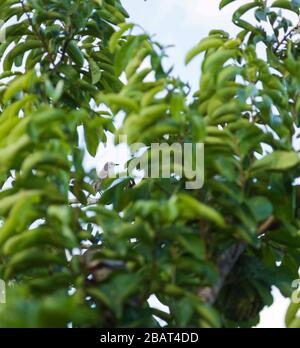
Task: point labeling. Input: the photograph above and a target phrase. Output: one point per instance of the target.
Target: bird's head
(107, 170)
(109, 165)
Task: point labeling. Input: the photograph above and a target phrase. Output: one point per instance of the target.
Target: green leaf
(75, 53)
(224, 3)
(183, 310)
(216, 60)
(276, 161)
(127, 51)
(292, 314)
(209, 314)
(114, 40)
(261, 207)
(93, 132)
(190, 208)
(193, 244)
(20, 49)
(21, 83)
(203, 45)
(286, 5)
(96, 72)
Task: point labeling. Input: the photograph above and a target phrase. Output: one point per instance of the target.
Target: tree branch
(226, 263)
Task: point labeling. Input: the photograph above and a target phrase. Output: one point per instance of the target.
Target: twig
(64, 49)
(286, 36)
(265, 225)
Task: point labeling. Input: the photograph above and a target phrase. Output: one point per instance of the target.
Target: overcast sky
(183, 23)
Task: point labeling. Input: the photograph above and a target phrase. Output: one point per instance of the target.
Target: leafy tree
(210, 255)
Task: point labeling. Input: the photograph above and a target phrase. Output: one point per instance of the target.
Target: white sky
(183, 23)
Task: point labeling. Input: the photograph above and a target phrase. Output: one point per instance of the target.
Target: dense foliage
(210, 255)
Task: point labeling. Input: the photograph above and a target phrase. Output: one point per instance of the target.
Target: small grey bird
(106, 172)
